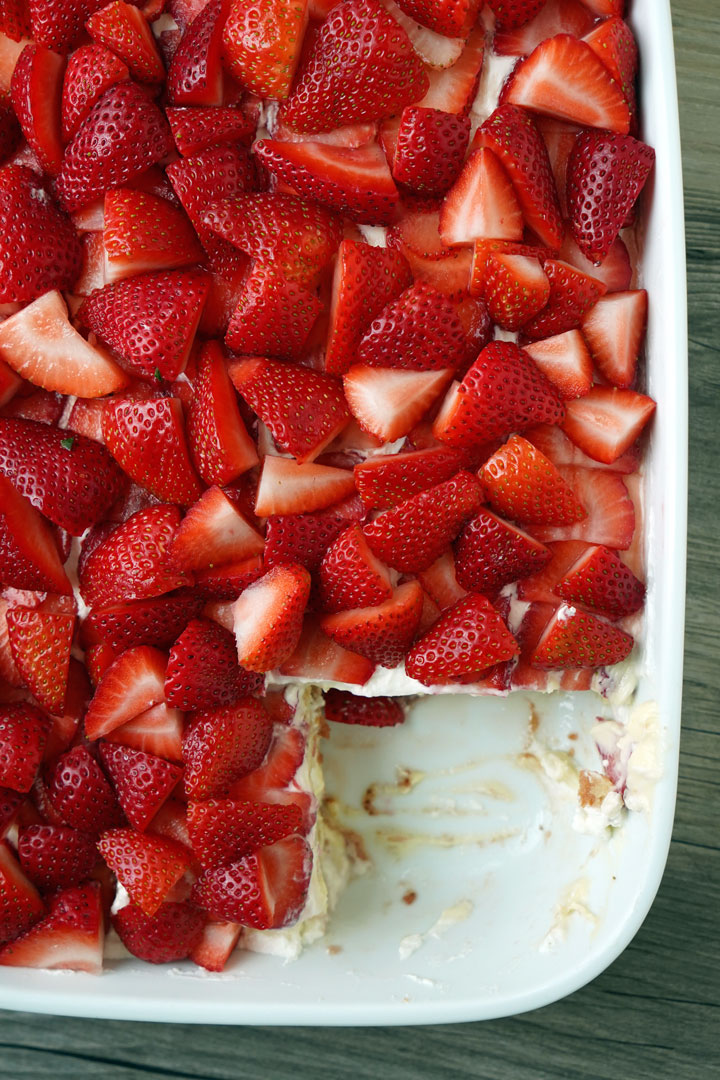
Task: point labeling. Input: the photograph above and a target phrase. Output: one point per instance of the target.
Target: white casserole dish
(536, 908)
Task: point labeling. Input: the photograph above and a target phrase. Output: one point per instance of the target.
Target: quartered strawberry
(384, 632)
(283, 759)
(418, 231)
(451, 18)
(79, 793)
(524, 485)
(554, 17)
(360, 66)
(142, 781)
(484, 249)
(490, 552)
(610, 512)
(197, 128)
(166, 937)
(430, 149)
(226, 582)
(55, 856)
(29, 556)
(20, 904)
(614, 329)
(613, 43)
(389, 402)
(598, 579)
(36, 92)
(39, 248)
(222, 745)
(24, 731)
(540, 587)
(203, 671)
(563, 77)
(388, 479)
(195, 73)
(15, 20)
(464, 642)
(288, 488)
(132, 562)
(123, 134)
(413, 534)
(70, 937)
(419, 330)
(147, 866)
(304, 538)
(158, 621)
(343, 707)
(268, 617)
(10, 804)
(565, 360)
(144, 233)
(273, 316)
(440, 585)
(304, 410)
(320, 659)
(510, 14)
(572, 294)
(556, 445)
(453, 89)
(606, 172)
(133, 683)
(214, 531)
(576, 639)
(90, 71)
(265, 890)
(216, 945)
(481, 204)
(225, 830)
(40, 644)
(261, 46)
(516, 288)
(124, 30)
(366, 279)
(615, 270)
(607, 421)
(219, 444)
(10, 133)
(350, 576)
(157, 731)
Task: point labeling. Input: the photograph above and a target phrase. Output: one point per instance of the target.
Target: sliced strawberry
(343, 707)
(484, 249)
(613, 43)
(166, 937)
(384, 632)
(157, 731)
(490, 552)
(263, 57)
(216, 945)
(351, 135)
(419, 330)
(555, 17)
(126, 32)
(79, 793)
(55, 856)
(481, 203)
(565, 360)
(223, 745)
(268, 617)
(92, 275)
(464, 642)
(559, 137)
(418, 231)
(610, 512)
(15, 20)
(20, 904)
(614, 329)
(555, 444)
(273, 316)
(615, 270)
(283, 759)
(142, 781)
(131, 685)
(320, 659)
(90, 71)
(203, 672)
(40, 644)
(525, 486)
(213, 531)
(540, 586)
(360, 66)
(572, 294)
(411, 536)
(388, 479)
(453, 89)
(123, 134)
(516, 288)
(69, 938)
(36, 91)
(219, 443)
(607, 421)
(440, 584)
(304, 538)
(599, 580)
(513, 136)
(435, 50)
(350, 576)
(430, 149)
(503, 391)
(575, 638)
(24, 732)
(226, 582)
(225, 830)
(29, 556)
(147, 866)
(10, 383)
(356, 182)
(288, 488)
(195, 73)
(389, 402)
(10, 804)
(606, 7)
(196, 129)
(144, 232)
(451, 18)
(366, 279)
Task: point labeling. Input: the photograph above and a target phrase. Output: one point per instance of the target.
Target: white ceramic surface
(536, 909)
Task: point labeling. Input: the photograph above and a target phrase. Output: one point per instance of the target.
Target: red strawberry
(166, 937)
(214, 531)
(556, 17)
(564, 359)
(440, 585)
(195, 72)
(80, 795)
(126, 32)
(572, 294)
(343, 707)
(516, 289)
(142, 781)
(203, 672)
(223, 745)
(605, 175)
(10, 133)
(261, 46)
(451, 18)
(577, 639)
(264, 890)
(606, 7)
(418, 231)
(453, 89)
(411, 536)
(464, 642)
(304, 538)
(610, 512)
(20, 904)
(613, 43)
(555, 445)
(216, 945)
(56, 857)
(15, 20)
(10, 803)
(563, 77)
(481, 204)
(360, 66)
(219, 443)
(268, 617)
(226, 582)
(28, 553)
(133, 683)
(510, 14)
(122, 135)
(40, 644)
(157, 731)
(607, 421)
(384, 632)
(282, 762)
(70, 937)
(225, 830)
(320, 659)
(388, 479)
(599, 580)
(36, 91)
(90, 71)
(71, 480)
(389, 402)
(430, 149)
(147, 866)
(512, 135)
(39, 249)
(615, 270)
(525, 486)
(484, 249)
(144, 232)
(614, 329)
(304, 410)
(273, 316)
(420, 330)
(24, 732)
(540, 587)
(503, 391)
(196, 129)
(288, 488)
(349, 575)
(490, 552)
(158, 621)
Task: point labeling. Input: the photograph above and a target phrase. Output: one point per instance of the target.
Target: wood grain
(654, 1013)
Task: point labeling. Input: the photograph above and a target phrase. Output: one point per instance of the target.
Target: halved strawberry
(563, 77)
(288, 488)
(203, 671)
(614, 329)
(320, 659)
(565, 360)
(360, 66)
(268, 617)
(142, 781)
(143, 233)
(219, 444)
(615, 270)
(350, 576)
(131, 685)
(607, 421)
(555, 445)
(36, 92)
(575, 638)
(343, 707)
(24, 731)
(196, 129)
(490, 552)
(481, 204)
(572, 294)
(464, 642)
(79, 793)
(213, 531)
(195, 73)
(516, 288)
(263, 56)
(304, 538)
(453, 89)
(273, 316)
(419, 330)
(525, 486)
(388, 402)
(90, 71)
(40, 644)
(430, 149)
(451, 18)
(224, 830)
(413, 534)
(387, 479)
(383, 632)
(514, 38)
(222, 745)
(304, 410)
(158, 731)
(598, 579)
(55, 856)
(125, 30)
(147, 866)
(29, 556)
(216, 945)
(610, 512)
(166, 937)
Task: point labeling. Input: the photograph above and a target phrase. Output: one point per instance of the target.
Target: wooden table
(654, 1013)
